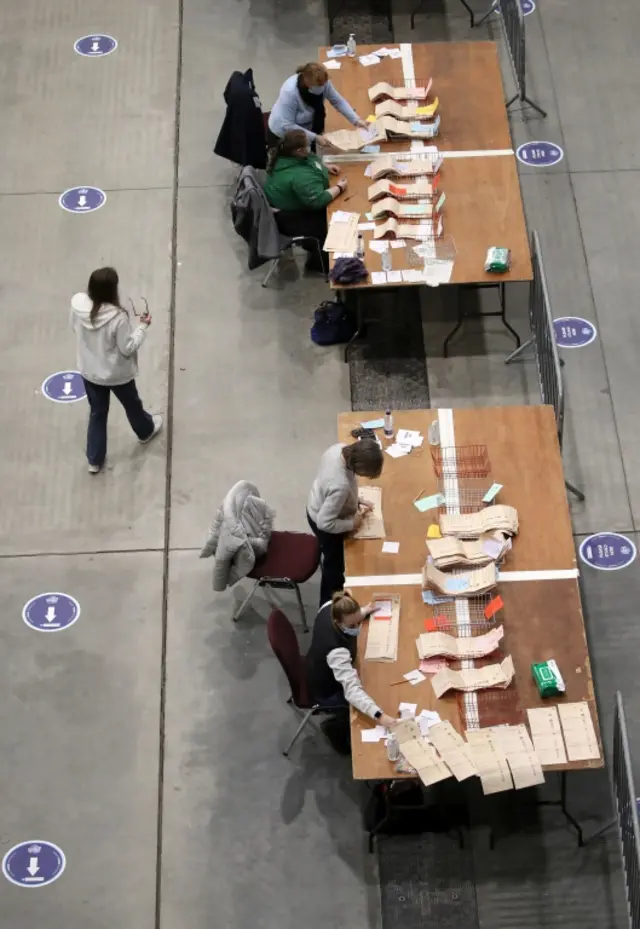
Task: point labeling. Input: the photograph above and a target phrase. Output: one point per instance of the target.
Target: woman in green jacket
(298, 188)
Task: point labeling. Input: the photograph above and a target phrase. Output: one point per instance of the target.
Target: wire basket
(435, 246)
(466, 615)
(463, 495)
(461, 461)
(429, 161)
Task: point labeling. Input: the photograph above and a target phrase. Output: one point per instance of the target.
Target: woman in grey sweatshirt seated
(333, 508)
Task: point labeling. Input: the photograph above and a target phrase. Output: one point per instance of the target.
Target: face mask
(317, 90)
(351, 630)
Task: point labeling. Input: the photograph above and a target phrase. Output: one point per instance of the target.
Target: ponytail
(291, 141)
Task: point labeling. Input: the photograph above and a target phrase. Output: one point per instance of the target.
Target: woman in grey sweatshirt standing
(108, 361)
(333, 508)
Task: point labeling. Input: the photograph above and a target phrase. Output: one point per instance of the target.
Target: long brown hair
(288, 144)
(102, 290)
(364, 458)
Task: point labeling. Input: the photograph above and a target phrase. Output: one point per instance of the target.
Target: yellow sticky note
(428, 110)
(433, 532)
(371, 118)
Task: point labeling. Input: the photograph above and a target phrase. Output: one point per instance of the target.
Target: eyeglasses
(133, 307)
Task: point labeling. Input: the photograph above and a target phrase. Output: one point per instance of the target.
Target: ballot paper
(419, 753)
(389, 206)
(378, 278)
(382, 636)
(414, 677)
(368, 60)
(579, 733)
(521, 757)
(409, 437)
(352, 140)
(401, 230)
(377, 734)
(389, 165)
(472, 679)
(382, 52)
(398, 243)
(395, 53)
(394, 277)
(343, 234)
(379, 247)
(437, 271)
(410, 111)
(491, 763)
(426, 719)
(546, 733)
(473, 525)
(449, 551)
(432, 665)
(407, 710)
(453, 750)
(382, 89)
(399, 128)
(398, 451)
(332, 65)
(384, 609)
(366, 227)
(373, 524)
(430, 644)
(400, 191)
(390, 548)
(466, 584)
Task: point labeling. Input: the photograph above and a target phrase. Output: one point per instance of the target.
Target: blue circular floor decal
(33, 864)
(539, 154)
(51, 612)
(82, 199)
(64, 387)
(528, 6)
(95, 46)
(573, 331)
(607, 551)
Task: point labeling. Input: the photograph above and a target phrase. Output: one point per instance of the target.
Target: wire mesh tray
(469, 615)
(461, 461)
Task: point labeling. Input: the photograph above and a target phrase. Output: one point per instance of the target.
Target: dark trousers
(311, 223)
(99, 396)
(331, 561)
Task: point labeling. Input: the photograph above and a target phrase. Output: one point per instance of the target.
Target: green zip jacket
(298, 184)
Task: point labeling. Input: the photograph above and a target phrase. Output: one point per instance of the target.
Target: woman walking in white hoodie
(108, 361)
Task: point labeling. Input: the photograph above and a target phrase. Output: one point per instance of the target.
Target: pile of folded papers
(450, 552)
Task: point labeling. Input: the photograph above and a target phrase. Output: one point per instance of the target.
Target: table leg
(359, 323)
(562, 803)
(502, 313)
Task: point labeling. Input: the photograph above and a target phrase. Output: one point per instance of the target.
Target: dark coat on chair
(242, 138)
(253, 219)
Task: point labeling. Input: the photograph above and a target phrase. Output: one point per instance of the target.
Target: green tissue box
(498, 260)
(548, 679)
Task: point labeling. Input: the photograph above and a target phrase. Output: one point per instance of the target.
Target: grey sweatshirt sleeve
(127, 341)
(341, 105)
(339, 660)
(328, 519)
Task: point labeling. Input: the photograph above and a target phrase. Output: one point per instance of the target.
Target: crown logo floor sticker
(33, 864)
(607, 551)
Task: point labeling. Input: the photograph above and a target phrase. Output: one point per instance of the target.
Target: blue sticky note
(416, 127)
(374, 424)
(429, 597)
(429, 503)
(370, 149)
(493, 491)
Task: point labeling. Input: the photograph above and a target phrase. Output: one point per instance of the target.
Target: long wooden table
(542, 618)
(483, 204)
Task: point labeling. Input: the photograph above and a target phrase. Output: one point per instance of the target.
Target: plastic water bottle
(360, 247)
(393, 749)
(386, 260)
(351, 45)
(388, 424)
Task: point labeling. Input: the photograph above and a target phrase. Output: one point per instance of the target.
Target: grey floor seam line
(586, 262)
(79, 553)
(167, 501)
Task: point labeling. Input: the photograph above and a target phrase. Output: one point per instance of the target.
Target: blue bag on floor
(332, 324)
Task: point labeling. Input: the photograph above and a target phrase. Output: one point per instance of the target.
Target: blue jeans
(99, 396)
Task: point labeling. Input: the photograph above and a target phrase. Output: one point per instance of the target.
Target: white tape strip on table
(406, 580)
(407, 62)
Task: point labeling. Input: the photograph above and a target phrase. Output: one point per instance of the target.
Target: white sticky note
(363, 227)
(374, 735)
(378, 277)
(398, 243)
(382, 52)
(340, 216)
(394, 277)
(493, 491)
(332, 65)
(407, 710)
(414, 677)
(395, 53)
(397, 451)
(390, 548)
(368, 60)
(377, 246)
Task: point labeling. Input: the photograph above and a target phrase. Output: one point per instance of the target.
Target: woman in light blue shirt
(300, 105)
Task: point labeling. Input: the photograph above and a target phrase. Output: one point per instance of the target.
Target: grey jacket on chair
(239, 535)
(253, 219)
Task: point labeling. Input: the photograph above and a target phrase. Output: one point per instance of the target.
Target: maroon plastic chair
(284, 644)
(291, 559)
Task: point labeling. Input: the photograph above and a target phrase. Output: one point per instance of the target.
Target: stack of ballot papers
(466, 584)
(449, 551)
(399, 230)
(342, 235)
(382, 89)
(573, 728)
(411, 111)
(403, 166)
(472, 679)
(412, 437)
(419, 753)
(352, 140)
(453, 750)
(431, 644)
(373, 524)
(384, 188)
(400, 128)
(473, 525)
(389, 206)
(490, 761)
(384, 624)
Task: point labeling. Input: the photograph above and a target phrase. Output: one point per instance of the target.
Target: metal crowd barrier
(543, 342)
(512, 19)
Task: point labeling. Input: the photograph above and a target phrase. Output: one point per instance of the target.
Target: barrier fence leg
(533, 105)
(574, 490)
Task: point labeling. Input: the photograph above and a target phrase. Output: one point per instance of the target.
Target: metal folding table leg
(359, 325)
(462, 315)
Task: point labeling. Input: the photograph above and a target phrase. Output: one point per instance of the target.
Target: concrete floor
(145, 740)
